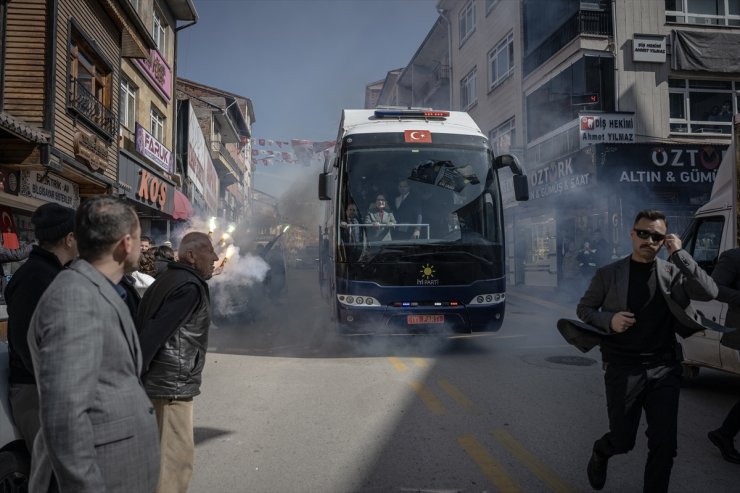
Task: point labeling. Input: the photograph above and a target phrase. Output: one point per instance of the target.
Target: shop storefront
(593, 196)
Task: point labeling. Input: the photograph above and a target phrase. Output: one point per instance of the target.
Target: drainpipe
(616, 54)
(443, 14)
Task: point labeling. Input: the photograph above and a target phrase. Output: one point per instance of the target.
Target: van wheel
(14, 471)
(690, 371)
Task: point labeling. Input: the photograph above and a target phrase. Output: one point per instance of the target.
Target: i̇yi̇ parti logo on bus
(427, 275)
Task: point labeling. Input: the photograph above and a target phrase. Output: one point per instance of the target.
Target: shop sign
(9, 181)
(664, 164)
(201, 171)
(152, 149)
(649, 48)
(90, 150)
(564, 175)
(50, 188)
(606, 128)
(152, 189)
(155, 69)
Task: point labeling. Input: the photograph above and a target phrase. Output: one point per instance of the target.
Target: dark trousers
(731, 425)
(629, 390)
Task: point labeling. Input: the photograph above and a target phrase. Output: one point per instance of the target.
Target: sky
(300, 61)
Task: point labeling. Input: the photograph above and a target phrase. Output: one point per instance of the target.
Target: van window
(703, 241)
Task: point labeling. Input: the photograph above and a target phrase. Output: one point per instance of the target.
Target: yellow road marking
(420, 362)
(494, 471)
(397, 363)
(538, 468)
(428, 398)
(453, 392)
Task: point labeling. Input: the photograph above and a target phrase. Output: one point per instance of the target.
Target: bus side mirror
(521, 187)
(325, 182)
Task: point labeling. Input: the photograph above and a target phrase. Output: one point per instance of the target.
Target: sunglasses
(644, 234)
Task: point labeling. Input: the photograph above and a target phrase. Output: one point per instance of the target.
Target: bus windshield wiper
(449, 253)
(382, 251)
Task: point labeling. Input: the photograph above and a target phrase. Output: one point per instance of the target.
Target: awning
(182, 209)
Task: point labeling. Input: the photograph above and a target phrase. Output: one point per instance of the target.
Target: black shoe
(725, 445)
(596, 470)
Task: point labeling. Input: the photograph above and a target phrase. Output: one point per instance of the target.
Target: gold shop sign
(91, 151)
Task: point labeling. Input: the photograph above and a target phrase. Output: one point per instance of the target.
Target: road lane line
(426, 395)
(420, 362)
(458, 396)
(397, 363)
(536, 466)
(494, 471)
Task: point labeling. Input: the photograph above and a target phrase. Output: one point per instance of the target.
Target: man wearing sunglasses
(640, 302)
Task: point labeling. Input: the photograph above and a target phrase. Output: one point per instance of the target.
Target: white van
(714, 230)
(14, 459)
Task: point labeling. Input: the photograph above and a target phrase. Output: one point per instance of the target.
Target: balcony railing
(91, 109)
(227, 168)
(594, 22)
(441, 72)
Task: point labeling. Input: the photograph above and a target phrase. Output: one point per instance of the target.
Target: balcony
(86, 105)
(589, 22)
(226, 166)
(441, 72)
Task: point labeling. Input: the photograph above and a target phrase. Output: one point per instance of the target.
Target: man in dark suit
(407, 210)
(53, 228)
(639, 303)
(727, 276)
(98, 429)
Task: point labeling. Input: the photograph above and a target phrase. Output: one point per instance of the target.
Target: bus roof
(365, 121)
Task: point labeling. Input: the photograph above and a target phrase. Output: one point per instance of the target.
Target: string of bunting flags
(294, 151)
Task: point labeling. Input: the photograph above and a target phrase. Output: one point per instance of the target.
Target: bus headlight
(353, 300)
(488, 299)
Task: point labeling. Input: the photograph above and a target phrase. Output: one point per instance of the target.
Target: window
(468, 95)
(159, 32)
(712, 12)
(157, 124)
(466, 21)
(90, 84)
(127, 104)
(501, 61)
(702, 106)
(134, 4)
(490, 4)
(502, 137)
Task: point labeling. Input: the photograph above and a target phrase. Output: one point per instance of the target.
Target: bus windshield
(408, 199)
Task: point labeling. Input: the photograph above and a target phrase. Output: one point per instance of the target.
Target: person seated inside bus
(351, 231)
(380, 220)
(407, 210)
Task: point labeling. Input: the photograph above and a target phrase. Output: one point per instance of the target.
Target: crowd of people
(107, 341)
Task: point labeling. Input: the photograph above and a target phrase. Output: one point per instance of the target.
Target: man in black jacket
(173, 322)
(53, 227)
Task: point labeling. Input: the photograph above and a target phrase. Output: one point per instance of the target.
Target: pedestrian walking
(726, 274)
(173, 321)
(639, 303)
(53, 227)
(98, 430)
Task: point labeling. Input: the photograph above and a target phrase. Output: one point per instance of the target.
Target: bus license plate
(425, 319)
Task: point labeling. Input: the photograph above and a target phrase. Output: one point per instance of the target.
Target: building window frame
(466, 21)
(469, 90)
(159, 32)
(490, 4)
(499, 136)
(127, 104)
(90, 83)
(502, 53)
(686, 12)
(157, 122)
(687, 98)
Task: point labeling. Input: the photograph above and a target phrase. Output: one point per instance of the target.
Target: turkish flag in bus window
(416, 136)
(10, 238)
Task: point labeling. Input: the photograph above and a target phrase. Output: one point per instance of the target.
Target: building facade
(611, 105)
(147, 175)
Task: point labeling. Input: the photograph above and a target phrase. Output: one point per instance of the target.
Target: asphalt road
(288, 406)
